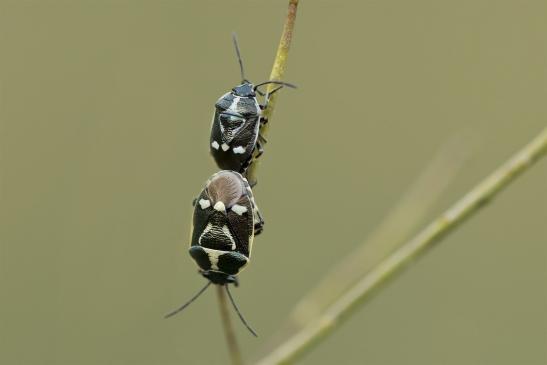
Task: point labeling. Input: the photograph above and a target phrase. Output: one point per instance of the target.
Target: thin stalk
(229, 333)
(278, 71)
(324, 325)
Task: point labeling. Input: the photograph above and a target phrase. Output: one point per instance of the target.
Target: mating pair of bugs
(226, 217)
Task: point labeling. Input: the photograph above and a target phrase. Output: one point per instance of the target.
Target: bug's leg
(259, 147)
(245, 165)
(259, 225)
(194, 202)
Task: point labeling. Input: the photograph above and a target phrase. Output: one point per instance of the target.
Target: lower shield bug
(225, 222)
(235, 132)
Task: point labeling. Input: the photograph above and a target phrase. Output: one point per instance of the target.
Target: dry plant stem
(324, 325)
(278, 71)
(233, 347)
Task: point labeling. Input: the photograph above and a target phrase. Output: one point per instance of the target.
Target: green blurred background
(105, 109)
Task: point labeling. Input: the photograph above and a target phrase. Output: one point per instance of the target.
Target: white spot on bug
(239, 150)
(215, 145)
(225, 147)
(228, 234)
(239, 209)
(220, 206)
(204, 204)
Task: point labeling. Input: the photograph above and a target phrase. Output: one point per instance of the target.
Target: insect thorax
(239, 102)
(218, 277)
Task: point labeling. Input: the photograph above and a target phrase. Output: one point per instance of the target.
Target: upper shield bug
(225, 222)
(235, 133)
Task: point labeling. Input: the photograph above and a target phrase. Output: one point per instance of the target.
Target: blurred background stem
(403, 219)
(324, 324)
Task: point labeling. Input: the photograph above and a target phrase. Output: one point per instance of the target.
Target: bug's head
(220, 278)
(246, 90)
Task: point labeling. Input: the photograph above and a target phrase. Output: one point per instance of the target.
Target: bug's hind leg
(259, 225)
(259, 150)
(259, 146)
(259, 228)
(245, 165)
(263, 121)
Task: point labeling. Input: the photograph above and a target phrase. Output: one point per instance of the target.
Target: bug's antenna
(236, 46)
(275, 82)
(188, 302)
(239, 313)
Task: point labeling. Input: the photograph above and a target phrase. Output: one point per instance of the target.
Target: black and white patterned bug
(225, 222)
(235, 132)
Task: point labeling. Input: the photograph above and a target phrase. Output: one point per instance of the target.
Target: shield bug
(225, 222)
(235, 132)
